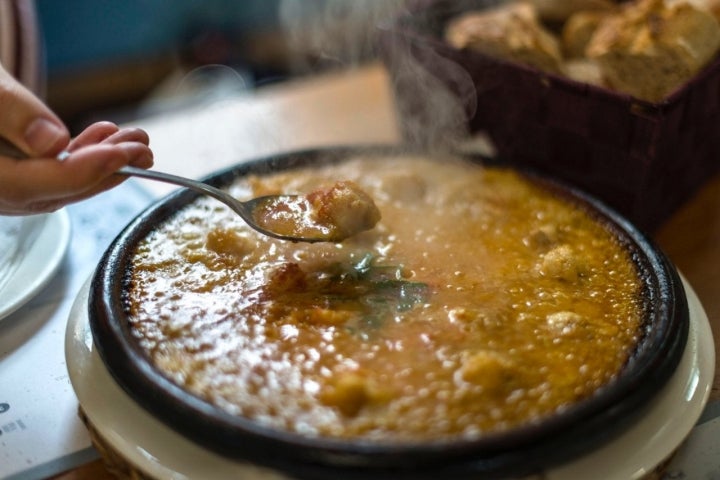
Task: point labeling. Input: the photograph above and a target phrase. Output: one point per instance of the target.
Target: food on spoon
(344, 208)
(337, 212)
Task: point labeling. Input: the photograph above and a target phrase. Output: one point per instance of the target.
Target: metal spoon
(257, 212)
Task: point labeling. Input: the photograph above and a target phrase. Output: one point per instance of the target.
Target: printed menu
(40, 432)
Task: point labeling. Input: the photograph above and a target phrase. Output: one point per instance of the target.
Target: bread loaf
(645, 48)
(584, 70)
(510, 32)
(579, 29)
(559, 11)
(651, 48)
(713, 6)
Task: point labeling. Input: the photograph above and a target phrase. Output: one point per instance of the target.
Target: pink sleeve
(20, 45)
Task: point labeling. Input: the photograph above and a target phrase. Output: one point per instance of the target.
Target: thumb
(27, 122)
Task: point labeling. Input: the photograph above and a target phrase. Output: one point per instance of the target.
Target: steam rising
(335, 32)
(346, 33)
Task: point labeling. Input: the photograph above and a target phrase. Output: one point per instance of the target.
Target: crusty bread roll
(511, 32)
(584, 70)
(645, 48)
(579, 29)
(713, 6)
(558, 11)
(652, 48)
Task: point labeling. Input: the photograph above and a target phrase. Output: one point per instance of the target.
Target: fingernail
(144, 161)
(44, 136)
(138, 154)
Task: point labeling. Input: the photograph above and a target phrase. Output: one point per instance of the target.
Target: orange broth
(478, 303)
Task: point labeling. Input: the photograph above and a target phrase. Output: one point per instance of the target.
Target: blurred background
(117, 61)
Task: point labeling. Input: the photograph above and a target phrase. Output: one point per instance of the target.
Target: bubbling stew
(481, 301)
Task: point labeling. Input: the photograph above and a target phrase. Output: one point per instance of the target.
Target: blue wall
(83, 33)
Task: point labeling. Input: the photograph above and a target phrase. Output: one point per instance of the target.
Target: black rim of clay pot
(525, 450)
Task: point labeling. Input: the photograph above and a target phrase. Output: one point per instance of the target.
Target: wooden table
(356, 107)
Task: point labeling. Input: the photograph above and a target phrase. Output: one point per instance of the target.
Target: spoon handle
(167, 178)
(201, 187)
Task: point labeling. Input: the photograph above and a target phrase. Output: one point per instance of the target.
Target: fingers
(128, 135)
(109, 133)
(46, 184)
(139, 156)
(27, 122)
(95, 133)
(42, 183)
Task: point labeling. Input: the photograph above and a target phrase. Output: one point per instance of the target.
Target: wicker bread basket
(644, 159)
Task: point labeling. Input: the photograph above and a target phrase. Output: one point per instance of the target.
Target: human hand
(45, 184)
(26, 122)
(41, 182)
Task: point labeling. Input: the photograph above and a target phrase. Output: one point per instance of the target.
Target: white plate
(40, 248)
(158, 451)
